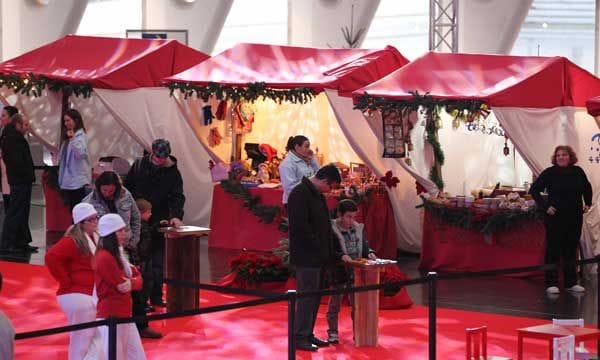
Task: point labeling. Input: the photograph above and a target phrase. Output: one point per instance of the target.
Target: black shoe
(306, 346)
(150, 333)
(318, 342)
(148, 309)
(159, 303)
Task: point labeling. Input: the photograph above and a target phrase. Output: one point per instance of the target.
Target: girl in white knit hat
(70, 263)
(115, 278)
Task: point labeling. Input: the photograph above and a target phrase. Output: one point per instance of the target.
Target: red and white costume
(112, 302)
(76, 294)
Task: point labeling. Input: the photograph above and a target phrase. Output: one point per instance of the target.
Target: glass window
(249, 21)
(559, 28)
(402, 24)
(123, 15)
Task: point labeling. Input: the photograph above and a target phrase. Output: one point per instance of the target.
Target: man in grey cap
(156, 178)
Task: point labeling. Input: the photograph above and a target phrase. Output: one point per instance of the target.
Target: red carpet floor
(259, 332)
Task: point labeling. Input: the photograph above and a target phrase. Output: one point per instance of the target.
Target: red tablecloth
(235, 227)
(58, 215)
(451, 248)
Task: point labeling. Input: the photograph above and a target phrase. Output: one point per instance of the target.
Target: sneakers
(576, 288)
(333, 338)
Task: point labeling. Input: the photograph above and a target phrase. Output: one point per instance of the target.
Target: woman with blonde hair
(569, 196)
(70, 262)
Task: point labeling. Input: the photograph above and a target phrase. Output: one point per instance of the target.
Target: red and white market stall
(536, 103)
(115, 83)
(288, 91)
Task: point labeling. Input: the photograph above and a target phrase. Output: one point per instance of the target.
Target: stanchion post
(432, 280)
(598, 298)
(291, 324)
(112, 338)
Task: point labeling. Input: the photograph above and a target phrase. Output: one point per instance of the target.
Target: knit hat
(109, 224)
(161, 148)
(82, 211)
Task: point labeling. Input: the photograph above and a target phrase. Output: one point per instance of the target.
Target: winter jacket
(292, 169)
(126, 208)
(74, 170)
(311, 236)
(161, 185)
(112, 302)
(73, 270)
(16, 156)
(342, 273)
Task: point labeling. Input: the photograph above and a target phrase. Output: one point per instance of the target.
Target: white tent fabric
(472, 159)
(538, 131)
(157, 115)
(105, 135)
(365, 142)
(116, 128)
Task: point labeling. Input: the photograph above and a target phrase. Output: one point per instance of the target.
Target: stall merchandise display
(486, 215)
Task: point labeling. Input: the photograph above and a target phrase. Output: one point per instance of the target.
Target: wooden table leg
(520, 347)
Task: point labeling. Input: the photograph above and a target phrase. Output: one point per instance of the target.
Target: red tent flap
(109, 63)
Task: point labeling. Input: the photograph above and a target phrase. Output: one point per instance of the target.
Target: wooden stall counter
(183, 264)
(449, 247)
(234, 226)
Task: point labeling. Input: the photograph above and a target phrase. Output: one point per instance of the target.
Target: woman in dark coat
(569, 196)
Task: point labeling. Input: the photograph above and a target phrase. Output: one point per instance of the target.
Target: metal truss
(443, 25)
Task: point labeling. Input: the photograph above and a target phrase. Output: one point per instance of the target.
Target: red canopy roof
(286, 67)
(109, 63)
(499, 80)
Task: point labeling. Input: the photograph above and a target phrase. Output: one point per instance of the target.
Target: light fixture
(42, 2)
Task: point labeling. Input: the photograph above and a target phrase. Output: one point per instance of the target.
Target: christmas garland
(488, 224)
(251, 92)
(32, 84)
(266, 213)
(466, 110)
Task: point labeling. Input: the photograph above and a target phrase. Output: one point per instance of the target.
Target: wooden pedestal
(366, 303)
(183, 263)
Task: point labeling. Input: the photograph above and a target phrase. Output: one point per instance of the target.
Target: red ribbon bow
(389, 180)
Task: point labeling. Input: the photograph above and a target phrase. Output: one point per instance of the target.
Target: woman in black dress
(569, 196)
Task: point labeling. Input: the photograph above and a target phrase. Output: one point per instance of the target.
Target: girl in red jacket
(115, 278)
(70, 263)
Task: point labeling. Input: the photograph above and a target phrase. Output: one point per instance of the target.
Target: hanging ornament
(393, 134)
(408, 161)
(410, 146)
(455, 123)
(506, 150)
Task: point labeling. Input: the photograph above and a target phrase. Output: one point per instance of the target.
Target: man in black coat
(156, 178)
(16, 235)
(311, 247)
